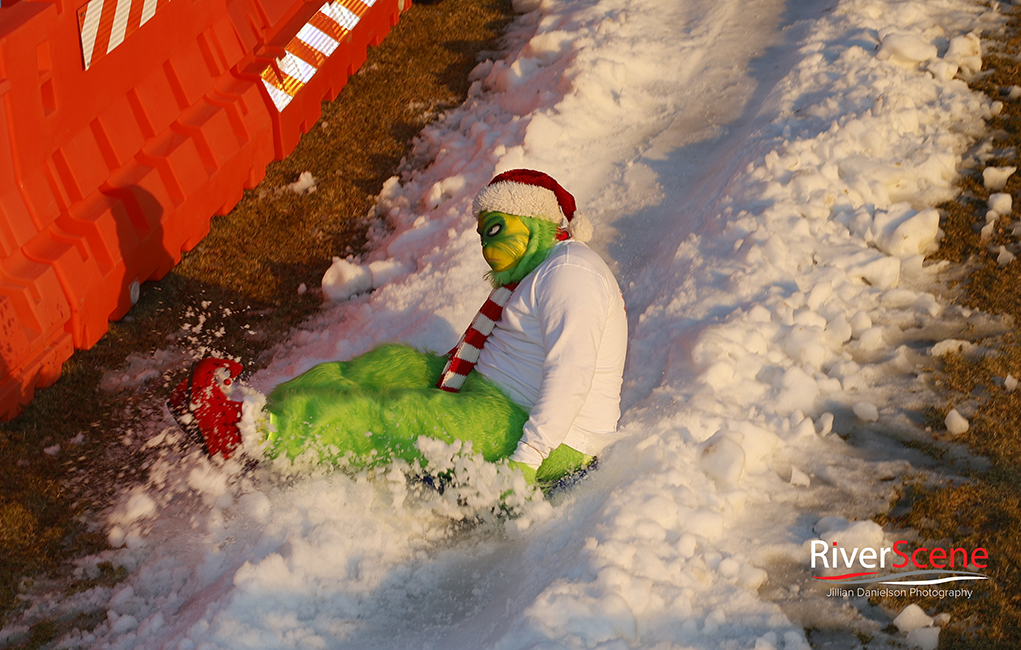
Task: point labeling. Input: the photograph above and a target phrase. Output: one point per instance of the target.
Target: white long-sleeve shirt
(558, 351)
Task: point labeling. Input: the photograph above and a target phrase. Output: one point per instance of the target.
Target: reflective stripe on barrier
(125, 125)
(296, 75)
(104, 24)
(314, 43)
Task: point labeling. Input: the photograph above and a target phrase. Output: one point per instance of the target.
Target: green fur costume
(373, 408)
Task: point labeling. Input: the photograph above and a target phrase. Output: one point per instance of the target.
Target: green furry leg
(373, 408)
(377, 405)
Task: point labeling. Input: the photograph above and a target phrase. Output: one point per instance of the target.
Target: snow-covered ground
(761, 174)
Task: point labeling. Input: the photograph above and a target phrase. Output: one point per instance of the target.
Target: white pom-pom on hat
(581, 227)
(530, 193)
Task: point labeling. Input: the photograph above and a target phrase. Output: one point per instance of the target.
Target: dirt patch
(985, 510)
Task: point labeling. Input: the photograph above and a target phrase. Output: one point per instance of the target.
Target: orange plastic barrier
(125, 125)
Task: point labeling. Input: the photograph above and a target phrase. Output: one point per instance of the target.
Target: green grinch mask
(513, 246)
(504, 239)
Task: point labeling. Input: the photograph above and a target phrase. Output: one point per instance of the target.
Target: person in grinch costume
(535, 379)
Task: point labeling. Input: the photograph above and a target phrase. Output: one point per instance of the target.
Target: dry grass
(986, 510)
(252, 262)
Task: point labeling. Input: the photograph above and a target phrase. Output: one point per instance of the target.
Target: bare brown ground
(985, 511)
(252, 263)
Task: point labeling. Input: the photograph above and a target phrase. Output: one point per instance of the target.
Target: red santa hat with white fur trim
(528, 193)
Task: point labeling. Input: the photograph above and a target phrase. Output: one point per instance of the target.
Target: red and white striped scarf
(465, 354)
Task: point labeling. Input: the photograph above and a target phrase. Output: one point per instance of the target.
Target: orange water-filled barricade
(125, 125)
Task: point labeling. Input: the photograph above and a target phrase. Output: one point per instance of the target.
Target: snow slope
(761, 175)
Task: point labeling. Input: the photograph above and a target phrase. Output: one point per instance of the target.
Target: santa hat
(528, 193)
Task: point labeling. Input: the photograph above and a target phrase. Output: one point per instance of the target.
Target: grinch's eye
(494, 230)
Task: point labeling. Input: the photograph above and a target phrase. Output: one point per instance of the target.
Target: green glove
(527, 470)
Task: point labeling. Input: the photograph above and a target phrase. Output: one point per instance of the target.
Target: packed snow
(762, 177)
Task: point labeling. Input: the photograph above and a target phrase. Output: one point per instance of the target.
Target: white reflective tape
(93, 12)
(120, 24)
(341, 15)
(295, 68)
(369, 2)
(148, 11)
(317, 40)
(279, 97)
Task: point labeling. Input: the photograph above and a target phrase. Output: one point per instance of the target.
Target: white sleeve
(572, 302)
